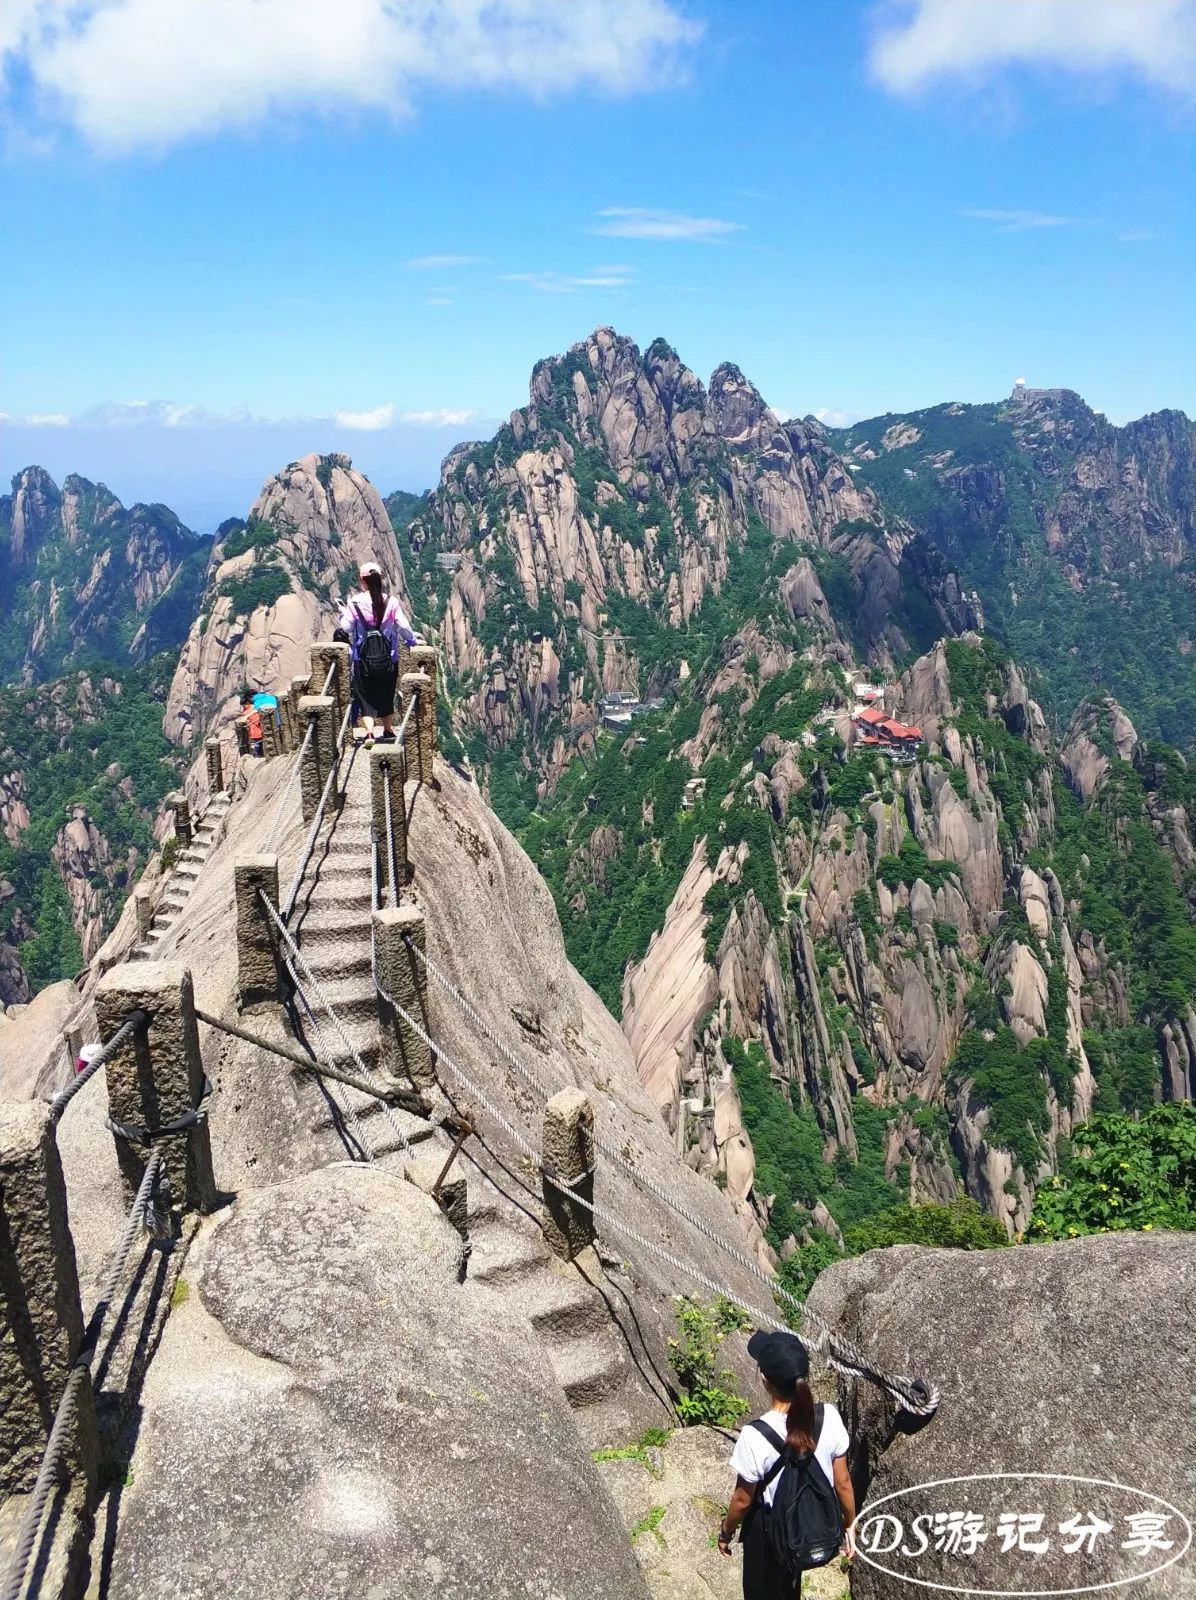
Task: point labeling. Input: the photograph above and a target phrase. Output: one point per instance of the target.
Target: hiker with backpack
(375, 622)
(793, 1493)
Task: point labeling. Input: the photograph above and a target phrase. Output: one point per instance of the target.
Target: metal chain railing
(62, 1428)
(916, 1396)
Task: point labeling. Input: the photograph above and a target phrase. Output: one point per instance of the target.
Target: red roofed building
(877, 729)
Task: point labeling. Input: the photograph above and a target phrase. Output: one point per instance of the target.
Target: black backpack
(805, 1521)
(374, 654)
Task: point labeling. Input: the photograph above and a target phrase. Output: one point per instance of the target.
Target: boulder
(1072, 1358)
(332, 1414)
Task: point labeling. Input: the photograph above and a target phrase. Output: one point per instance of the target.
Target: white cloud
(834, 417)
(154, 72)
(366, 421)
(438, 300)
(148, 414)
(440, 419)
(563, 283)
(1135, 236)
(1017, 221)
(924, 41)
(431, 263)
(643, 222)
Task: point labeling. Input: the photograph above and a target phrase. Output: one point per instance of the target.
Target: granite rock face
(308, 531)
(1071, 1358)
(626, 479)
(350, 1419)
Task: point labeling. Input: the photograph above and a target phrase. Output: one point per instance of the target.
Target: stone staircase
(577, 1314)
(332, 927)
(575, 1310)
(183, 878)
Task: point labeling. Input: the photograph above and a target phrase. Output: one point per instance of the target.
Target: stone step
(333, 959)
(345, 914)
(588, 1369)
(502, 1255)
(354, 998)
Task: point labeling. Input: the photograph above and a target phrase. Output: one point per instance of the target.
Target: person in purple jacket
(375, 622)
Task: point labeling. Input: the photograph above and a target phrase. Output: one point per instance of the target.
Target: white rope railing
(916, 1396)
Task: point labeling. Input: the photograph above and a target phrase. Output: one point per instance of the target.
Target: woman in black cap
(784, 1368)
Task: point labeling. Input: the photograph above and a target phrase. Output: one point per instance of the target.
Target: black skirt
(763, 1578)
(374, 690)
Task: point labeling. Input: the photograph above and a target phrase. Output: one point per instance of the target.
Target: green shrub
(1124, 1175)
(707, 1393)
(260, 586)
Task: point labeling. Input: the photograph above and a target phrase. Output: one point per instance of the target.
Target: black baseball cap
(781, 1357)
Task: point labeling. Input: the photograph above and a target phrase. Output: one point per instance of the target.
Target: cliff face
(84, 579)
(616, 507)
(274, 584)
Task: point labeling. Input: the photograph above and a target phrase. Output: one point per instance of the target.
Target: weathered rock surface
(1051, 1359)
(82, 571)
(350, 1419)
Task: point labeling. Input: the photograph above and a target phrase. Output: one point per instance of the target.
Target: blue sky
(212, 219)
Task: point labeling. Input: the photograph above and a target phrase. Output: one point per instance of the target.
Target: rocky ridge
(274, 584)
(611, 510)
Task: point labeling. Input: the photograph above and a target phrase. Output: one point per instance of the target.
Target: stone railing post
(420, 739)
(41, 1324)
(402, 975)
(215, 766)
(569, 1152)
(324, 656)
(271, 737)
(319, 709)
(388, 771)
(144, 908)
(182, 817)
(299, 687)
(286, 724)
(157, 1075)
(241, 728)
(259, 964)
(423, 659)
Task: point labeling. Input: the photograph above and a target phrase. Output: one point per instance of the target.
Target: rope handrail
(914, 1394)
(63, 1098)
(65, 1415)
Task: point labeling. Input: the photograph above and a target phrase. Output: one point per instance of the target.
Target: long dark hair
(799, 1423)
(374, 588)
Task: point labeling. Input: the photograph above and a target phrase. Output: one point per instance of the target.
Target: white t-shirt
(753, 1455)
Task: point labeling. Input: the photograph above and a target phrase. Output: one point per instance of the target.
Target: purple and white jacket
(358, 615)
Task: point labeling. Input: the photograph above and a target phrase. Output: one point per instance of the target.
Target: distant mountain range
(855, 964)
